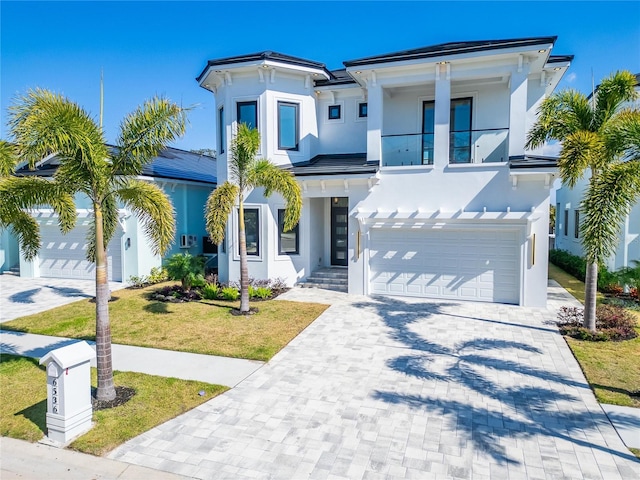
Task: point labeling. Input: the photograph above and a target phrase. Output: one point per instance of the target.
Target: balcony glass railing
(407, 150)
(469, 146)
(479, 146)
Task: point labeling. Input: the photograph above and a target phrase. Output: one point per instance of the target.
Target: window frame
(565, 227)
(222, 130)
(296, 230)
(296, 125)
(451, 130)
(247, 209)
(366, 106)
(239, 104)
(334, 106)
(576, 227)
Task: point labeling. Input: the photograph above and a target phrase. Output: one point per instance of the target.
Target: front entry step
(328, 278)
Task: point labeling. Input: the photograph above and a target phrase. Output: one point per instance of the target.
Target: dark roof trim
(262, 56)
(335, 164)
(340, 77)
(452, 48)
(560, 58)
(532, 161)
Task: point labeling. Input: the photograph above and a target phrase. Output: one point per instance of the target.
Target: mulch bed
(123, 395)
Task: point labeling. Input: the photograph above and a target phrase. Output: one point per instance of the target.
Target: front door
(339, 230)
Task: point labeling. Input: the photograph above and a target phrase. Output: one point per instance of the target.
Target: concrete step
(325, 286)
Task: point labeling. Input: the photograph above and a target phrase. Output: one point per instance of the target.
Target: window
(565, 227)
(428, 125)
(248, 113)
(335, 112)
(288, 135)
(288, 242)
(252, 231)
(222, 137)
(460, 131)
(362, 110)
(576, 227)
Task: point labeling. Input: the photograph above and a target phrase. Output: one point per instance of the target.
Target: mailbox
(69, 409)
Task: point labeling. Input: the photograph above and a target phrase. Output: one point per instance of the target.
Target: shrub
(186, 268)
(613, 289)
(230, 293)
(612, 323)
(577, 266)
(158, 275)
(138, 282)
(634, 293)
(210, 291)
(259, 292)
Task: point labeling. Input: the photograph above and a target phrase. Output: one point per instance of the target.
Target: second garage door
(480, 265)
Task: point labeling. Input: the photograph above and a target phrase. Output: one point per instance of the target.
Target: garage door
(480, 265)
(64, 256)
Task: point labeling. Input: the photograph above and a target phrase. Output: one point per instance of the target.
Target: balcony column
(442, 115)
(518, 111)
(374, 122)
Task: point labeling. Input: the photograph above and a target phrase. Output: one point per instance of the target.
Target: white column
(518, 112)
(442, 115)
(374, 123)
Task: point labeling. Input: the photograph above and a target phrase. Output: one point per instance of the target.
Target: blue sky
(148, 48)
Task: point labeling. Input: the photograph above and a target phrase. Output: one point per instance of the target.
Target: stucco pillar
(518, 111)
(374, 123)
(442, 115)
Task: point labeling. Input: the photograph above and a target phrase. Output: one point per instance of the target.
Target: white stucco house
(186, 177)
(412, 167)
(568, 223)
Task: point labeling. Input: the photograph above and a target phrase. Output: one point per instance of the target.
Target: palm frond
(109, 211)
(612, 92)
(8, 159)
(622, 134)
(153, 208)
(273, 179)
(145, 132)
(44, 123)
(580, 150)
(242, 153)
(607, 202)
(27, 231)
(218, 208)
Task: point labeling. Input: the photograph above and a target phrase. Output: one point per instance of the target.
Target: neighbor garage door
(481, 265)
(64, 256)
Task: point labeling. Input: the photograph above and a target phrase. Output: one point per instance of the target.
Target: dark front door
(339, 230)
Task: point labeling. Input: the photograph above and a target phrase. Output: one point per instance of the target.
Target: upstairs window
(248, 113)
(460, 130)
(362, 110)
(335, 112)
(222, 129)
(288, 242)
(288, 135)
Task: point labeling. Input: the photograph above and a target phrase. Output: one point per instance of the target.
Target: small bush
(259, 292)
(577, 266)
(613, 289)
(186, 268)
(138, 282)
(612, 323)
(634, 293)
(158, 275)
(230, 293)
(210, 291)
(624, 302)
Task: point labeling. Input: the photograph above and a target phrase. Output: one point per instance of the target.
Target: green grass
(206, 327)
(611, 368)
(157, 400)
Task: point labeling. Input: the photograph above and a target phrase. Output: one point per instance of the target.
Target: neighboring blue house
(187, 178)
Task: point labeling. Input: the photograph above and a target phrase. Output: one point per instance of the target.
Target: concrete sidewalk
(22, 460)
(165, 363)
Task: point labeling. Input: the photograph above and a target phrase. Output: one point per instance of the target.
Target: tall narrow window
(428, 125)
(288, 135)
(222, 129)
(460, 140)
(288, 242)
(362, 110)
(248, 113)
(565, 227)
(576, 227)
(252, 231)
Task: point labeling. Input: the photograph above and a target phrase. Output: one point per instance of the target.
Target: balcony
(465, 147)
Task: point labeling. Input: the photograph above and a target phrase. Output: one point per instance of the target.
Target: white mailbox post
(68, 391)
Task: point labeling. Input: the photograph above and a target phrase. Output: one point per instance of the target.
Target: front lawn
(206, 327)
(24, 404)
(611, 368)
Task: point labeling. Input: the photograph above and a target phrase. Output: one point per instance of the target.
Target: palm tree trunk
(590, 291)
(244, 267)
(106, 389)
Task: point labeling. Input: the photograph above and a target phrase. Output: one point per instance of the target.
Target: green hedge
(577, 266)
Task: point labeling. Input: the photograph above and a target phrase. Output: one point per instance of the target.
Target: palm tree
(44, 123)
(601, 137)
(18, 194)
(247, 172)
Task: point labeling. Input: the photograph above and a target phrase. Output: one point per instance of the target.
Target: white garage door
(64, 256)
(480, 265)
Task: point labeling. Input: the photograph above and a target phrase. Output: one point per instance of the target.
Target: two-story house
(412, 167)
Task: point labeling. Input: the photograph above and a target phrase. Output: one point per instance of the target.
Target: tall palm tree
(247, 172)
(18, 194)
(44, 123)
(600, 137)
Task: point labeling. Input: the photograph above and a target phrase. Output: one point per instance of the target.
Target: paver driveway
(395, 388)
